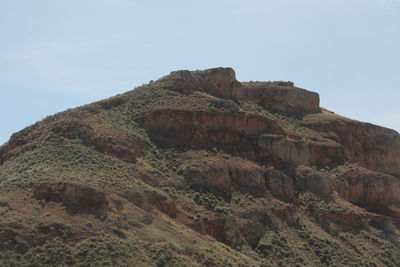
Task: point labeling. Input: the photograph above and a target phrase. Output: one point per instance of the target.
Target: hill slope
(199, 169)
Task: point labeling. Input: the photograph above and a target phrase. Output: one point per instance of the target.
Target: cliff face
(370, 145)
(338, 139)
(221, 82)
(198, 168)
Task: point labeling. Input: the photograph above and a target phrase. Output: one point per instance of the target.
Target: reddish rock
(221, 82)
(281, 97)
(280, 185)
(373, 190)
(76, 197)
(233, 132)
(223, 79)
(223, 173)
(313, 181)
(231, 234)
(252, 231)
(301, 152)
(168, 207)
(326, 154)
(245, 174)
(372, 146)
(121, 144)
(291, 151)
(208, 177)
(218, 81)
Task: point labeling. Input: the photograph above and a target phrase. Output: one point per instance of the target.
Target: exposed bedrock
(253, 137)
(221, 82)
(281, 97)
(295, 152)
(250, 136)
(279, 184)
(235, 132)
(122, 144)
(76, 197)
(313, 181)
(222, 174)
(373, 190)
(372, 146)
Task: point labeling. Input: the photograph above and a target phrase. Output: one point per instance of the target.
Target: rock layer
(221, 82)
(281, 97)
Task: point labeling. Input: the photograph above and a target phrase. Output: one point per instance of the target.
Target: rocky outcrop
(76, 197)
(313, 181)
(122, 144)
(279, 184)
(119, 143)
(251, 136)
(373, 190)
(233, 132)
(208, 177)
(281, 97)
(301, 152)
(326, 154)
(223, 174)
(294, 152)
(221, 82)
(372, 146)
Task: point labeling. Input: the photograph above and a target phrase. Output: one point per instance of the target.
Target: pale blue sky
(58, 54)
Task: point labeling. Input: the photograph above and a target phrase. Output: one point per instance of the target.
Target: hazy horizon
(59, 55)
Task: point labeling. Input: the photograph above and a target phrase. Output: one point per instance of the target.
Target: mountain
(199, 169)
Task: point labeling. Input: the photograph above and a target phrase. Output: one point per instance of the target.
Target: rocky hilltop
(199, 169)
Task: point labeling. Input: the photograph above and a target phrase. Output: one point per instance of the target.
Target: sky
(58, 54)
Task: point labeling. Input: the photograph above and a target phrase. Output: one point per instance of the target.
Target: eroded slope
(198, 169)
